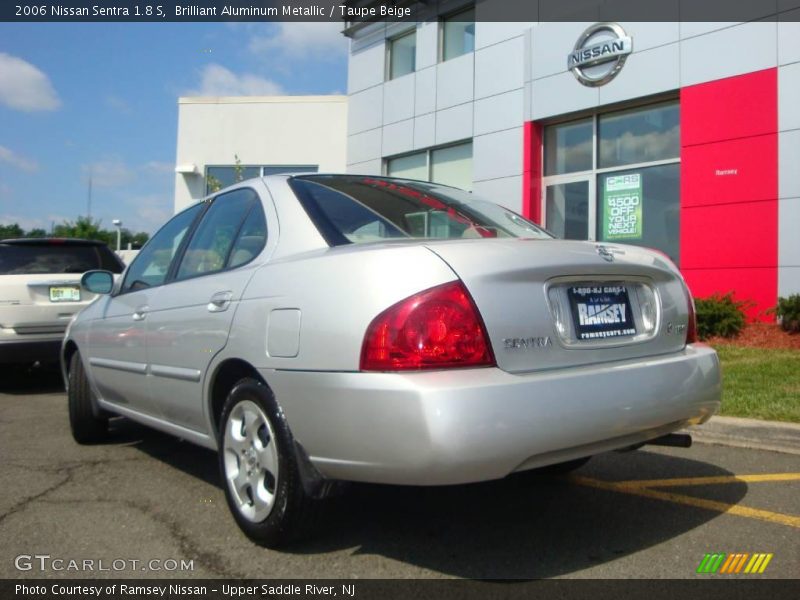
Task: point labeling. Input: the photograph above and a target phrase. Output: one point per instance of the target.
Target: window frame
(428, 153)
(452, 17)
(390, 53)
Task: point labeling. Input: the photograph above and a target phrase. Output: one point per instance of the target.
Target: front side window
(151, 266)
(350, 209)
(402, 55)
(210, 246)
(458, 34)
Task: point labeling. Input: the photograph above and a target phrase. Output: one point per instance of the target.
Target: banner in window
(622, 207)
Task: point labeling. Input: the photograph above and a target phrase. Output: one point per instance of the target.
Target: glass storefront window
(568, 147)
(591, 190)
(567, 210)
(640, 207)
(638, 135)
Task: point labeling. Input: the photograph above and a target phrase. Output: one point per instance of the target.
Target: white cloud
(24, 87)
(16, 160)
(159, 168)
(119, 104)
(108, 173)
(300, 40)
(216, 80)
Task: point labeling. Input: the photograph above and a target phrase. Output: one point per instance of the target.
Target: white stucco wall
(260, 130)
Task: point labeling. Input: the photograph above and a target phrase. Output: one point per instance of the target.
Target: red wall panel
(740, 170)
(735, 107)
(729, 188)
(532, 171)
(730, 235)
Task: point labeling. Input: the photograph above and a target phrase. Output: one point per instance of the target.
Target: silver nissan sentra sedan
(324, 328)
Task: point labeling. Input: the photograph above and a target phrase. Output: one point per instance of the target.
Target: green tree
(213, 185)
(83, 227)
(11, 231)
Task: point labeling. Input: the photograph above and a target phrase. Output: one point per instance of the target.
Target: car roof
(52, 241)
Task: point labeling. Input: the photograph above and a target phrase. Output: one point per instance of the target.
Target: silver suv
(40, 292)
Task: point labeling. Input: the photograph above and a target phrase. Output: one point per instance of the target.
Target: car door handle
(140, 313)
(220, 301)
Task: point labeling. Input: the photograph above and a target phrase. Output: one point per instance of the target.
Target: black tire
(86, 427)
(292, 513)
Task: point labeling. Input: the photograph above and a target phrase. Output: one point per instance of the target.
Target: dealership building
(225, 139)
(681, 136)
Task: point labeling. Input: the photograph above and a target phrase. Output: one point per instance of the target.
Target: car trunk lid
(556, 303)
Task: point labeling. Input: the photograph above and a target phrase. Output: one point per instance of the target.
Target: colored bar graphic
(711, 562)
(720, 562)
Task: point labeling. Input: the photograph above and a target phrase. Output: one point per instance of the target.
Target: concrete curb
(748, 433)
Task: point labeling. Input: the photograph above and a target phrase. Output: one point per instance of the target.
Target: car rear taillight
(439, 328)
(691, 328)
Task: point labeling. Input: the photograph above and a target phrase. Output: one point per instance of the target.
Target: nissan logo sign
(599, 54)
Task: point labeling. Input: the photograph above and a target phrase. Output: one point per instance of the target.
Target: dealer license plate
(65, 294)
(601, 311)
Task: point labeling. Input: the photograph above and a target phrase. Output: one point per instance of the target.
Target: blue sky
(102, 99)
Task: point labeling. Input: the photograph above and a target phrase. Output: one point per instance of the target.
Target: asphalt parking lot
(653, 513)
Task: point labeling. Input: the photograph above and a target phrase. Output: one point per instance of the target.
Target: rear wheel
(87, 428)
(263, 486)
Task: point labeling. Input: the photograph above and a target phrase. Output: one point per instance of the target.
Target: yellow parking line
(721, 507)
(686, 481)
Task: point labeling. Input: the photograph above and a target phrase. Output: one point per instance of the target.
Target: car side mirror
(98, 282)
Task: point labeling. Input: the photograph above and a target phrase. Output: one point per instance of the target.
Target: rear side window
(210, 247)
(54, 257)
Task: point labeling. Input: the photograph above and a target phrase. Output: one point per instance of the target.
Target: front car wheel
(86, 426)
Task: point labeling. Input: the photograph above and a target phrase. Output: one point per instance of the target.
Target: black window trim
(179, 252)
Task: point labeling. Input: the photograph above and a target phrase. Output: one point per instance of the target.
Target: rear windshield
(19, 259)
(351, 209)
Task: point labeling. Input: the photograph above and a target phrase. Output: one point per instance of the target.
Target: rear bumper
(28, 351)
(450, 427)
